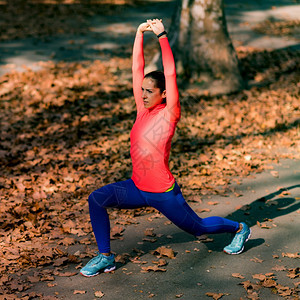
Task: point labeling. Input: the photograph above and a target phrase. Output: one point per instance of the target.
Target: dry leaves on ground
(215, 296)
(65, 132)
(164, 251)
(154, 268)
(98, 294)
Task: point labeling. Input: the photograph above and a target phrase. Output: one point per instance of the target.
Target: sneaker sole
(246, 240)
(106, 270)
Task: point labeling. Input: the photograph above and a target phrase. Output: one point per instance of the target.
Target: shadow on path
(267, 207)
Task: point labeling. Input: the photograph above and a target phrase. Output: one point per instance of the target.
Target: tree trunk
(205, 57)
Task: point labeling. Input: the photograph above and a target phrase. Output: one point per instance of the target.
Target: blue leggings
(124, 194)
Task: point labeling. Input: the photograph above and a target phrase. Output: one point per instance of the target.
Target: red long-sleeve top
(154, 128)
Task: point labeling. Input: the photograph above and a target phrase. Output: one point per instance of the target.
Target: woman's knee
(99, 197)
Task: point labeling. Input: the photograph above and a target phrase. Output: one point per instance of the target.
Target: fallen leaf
(237, 275)
(136, 260)
(268, 283)
(249, 286)
(201, 210)
(66, 274)
(51, 284)
(149, 232)
(98, 294)
(212, 202)
(260, 277)
(162, 262)
(263, 225)
(257, 260)
(122, 258)
(149, 240)
(204, 239)
(79, 292)
(163, 251)
(291, 255)
(60, 261)
(153, 268)
(279, 268)
(293, 273)
(215, 296)
(116, 232)
(33, 279)
(296, 283)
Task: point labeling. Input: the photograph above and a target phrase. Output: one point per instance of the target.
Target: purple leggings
(124, 194)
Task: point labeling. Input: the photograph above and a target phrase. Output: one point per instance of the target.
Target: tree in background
(205, 57)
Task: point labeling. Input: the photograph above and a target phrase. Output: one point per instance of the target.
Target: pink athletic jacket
(154, 128)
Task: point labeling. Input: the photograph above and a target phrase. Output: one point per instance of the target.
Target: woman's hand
(156, 26)
(144, 27)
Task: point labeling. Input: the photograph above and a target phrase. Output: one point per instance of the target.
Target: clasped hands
(154, 25)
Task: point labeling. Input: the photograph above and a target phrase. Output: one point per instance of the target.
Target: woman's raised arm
(138, 64)
(173, 104)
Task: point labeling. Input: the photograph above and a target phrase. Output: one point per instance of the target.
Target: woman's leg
(175, 208)
(122, 194)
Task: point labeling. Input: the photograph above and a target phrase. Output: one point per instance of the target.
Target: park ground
(66, 112)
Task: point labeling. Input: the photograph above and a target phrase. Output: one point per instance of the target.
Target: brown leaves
(65, 132)
(149, 232)
(16, 26)
(263, 225)
(291, 255)
(279, 268)
(79, 292)
(99, 294)
(205, 239)
(201, 210)
(294, 273)
(237, 275)
(163, 251)
(154, 268)
(116, 232)
(257, 260)
(215, 296)
(280, 28)
(162, 262)
(212, 202)
(268, 280)
(65, 274)
(274, 174)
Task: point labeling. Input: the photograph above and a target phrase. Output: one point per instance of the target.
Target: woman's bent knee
(101, 197)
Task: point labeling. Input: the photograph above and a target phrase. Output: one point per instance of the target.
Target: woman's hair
(159, 78)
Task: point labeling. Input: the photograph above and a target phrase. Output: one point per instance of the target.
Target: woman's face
(151, 94)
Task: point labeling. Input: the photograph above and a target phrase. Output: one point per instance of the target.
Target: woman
(152, 183)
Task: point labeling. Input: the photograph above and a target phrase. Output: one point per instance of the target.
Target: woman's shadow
(261, 210)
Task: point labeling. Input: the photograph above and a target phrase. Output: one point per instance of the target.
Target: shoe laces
(96, 259)
(237, 239)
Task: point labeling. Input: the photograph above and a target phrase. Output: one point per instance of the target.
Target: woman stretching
(152, 183)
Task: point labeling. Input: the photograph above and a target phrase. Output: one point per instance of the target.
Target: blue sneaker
(97, 264)
(240, 238)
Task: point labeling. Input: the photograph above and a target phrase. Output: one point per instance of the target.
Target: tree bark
(204, 55)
